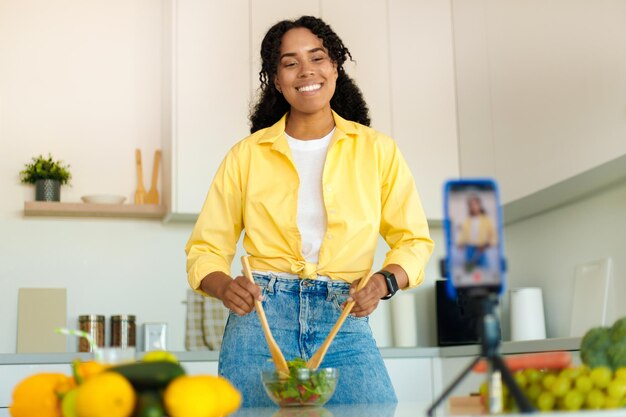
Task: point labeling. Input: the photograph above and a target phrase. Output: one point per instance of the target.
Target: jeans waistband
(273, 282)
(287, 275)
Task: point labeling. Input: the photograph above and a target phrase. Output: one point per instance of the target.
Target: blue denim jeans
(301, 313)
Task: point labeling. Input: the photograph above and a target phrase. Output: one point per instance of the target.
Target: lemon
(160, 355)
(201, 396)
(621, 373)
(230, 398)
(105, 395)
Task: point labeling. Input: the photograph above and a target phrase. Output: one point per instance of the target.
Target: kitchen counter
(528, 346)
(393, 410)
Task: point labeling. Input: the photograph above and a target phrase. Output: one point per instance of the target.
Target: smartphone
(473, 232)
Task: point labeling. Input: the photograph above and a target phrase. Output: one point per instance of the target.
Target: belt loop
(271, 284)
(329, 291)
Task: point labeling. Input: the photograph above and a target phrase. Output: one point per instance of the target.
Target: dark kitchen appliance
(457, 320)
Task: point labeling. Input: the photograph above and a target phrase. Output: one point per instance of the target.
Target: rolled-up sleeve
(213, 241)
(403, 222)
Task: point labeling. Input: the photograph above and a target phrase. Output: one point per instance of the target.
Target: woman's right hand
(239, 294)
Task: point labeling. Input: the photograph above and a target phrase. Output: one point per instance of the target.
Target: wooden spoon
(140, 194)
(153, 195)
(277, 355)
(318, 356)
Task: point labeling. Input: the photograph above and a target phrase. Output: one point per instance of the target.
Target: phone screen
(474, 236)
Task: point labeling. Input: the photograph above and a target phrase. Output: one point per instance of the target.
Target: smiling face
(306, 75)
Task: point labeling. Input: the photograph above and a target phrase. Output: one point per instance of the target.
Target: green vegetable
(149, 405)
(149, 375)
(302, 387)
(618, 331)
(594, 345)
(604, 346)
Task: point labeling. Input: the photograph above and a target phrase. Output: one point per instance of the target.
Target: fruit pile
(570, 389)
(153, 387)
(598, 384)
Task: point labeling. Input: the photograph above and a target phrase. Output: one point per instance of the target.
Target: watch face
(393, 284)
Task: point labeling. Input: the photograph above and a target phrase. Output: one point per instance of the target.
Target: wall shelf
(58, 209)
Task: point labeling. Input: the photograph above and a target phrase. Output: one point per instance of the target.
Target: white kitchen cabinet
(412, 378)
(206, 94)
(363, 27)
(541, 95)
(264, 14)
(423, 99)
(403, 64)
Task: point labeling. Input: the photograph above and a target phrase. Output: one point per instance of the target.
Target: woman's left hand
(367, 298)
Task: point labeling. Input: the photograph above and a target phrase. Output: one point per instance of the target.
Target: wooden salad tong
(277, 355)
(317, 358)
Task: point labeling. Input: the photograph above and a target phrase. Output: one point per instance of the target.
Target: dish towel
(206, 319)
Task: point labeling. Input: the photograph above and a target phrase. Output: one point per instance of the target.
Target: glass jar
(123, 331)
(93, 325)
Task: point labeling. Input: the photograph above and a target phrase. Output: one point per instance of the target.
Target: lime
(546, 401)
(548, 380)
(533, 391)
(601, 376)
(620, 373)
(616, 389)
(570, 373)
(68, 404)
(560, 386)
(533, 375)
(573, 400)
(583, 383)
(595, 399)
(612, 403)
(521, 379)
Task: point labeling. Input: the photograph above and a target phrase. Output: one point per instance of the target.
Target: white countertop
(388, 410)
(570, 343)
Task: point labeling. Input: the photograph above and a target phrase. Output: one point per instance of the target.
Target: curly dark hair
(347, 101)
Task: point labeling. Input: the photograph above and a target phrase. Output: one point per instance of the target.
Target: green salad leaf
(302, 387)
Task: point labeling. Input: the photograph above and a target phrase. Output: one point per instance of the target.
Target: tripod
(490, 351)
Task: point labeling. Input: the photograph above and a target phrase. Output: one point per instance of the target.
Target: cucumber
(149, 375)
(149, 405)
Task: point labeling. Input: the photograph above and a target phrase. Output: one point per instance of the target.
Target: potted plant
(48, 175)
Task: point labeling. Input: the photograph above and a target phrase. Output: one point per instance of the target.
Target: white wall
(544, 251)
(82, 80)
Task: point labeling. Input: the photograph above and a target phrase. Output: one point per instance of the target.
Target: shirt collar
(343, 128)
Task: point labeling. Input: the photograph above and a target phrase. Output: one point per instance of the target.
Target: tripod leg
(522, 402)
(451, 387)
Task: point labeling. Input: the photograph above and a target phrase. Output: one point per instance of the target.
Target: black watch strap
(392, 283)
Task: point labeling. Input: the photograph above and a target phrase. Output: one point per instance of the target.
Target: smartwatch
(392, 283)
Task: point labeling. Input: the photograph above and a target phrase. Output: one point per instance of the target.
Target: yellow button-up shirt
(367, 189)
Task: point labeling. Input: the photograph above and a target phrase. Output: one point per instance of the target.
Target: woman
(312, 187)
(477, 235)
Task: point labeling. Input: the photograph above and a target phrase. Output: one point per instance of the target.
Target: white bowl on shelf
(103, 199)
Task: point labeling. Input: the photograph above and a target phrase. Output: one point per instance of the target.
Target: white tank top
(309, 157)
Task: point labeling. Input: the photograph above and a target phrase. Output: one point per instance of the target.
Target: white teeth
(311, 87)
